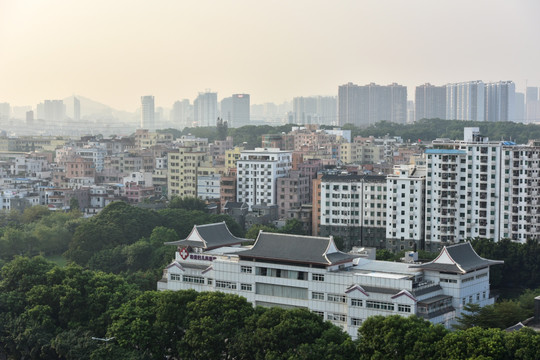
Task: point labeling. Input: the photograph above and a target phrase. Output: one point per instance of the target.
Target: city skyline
(274, 53)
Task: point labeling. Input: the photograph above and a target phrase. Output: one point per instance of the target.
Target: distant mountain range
(94, 110)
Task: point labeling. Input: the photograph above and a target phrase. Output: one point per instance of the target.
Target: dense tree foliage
(521, 266)
(249, 136)
(48, 312)
(36, 231)
(396, 337)
(187, 203)
(431, 129)
(502, 314)
(425, 130)
(44, 309)
(253, 231)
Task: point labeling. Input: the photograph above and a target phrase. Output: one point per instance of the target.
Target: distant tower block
(76, 109)
(147, 112)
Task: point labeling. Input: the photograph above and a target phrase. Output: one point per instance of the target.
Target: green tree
(187, 203)
(34, 213)
(293, 226)
(215, 319)
(474, 343)
(253, 231)
(91, 237)
(523, 344)
(221, 129)
(73, 204)
(470, 316)
(275, 333)
(153, 322)
(397, 337)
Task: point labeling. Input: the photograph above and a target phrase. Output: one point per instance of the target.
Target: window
(176, 277)
(404, 308)
(317, 277)
(281, 291)
(320, 313)
(379, 305)
(356, 322)
(317, 296)
(246, 287)
(194, 279)
(337, 317)
(453, 281)
(356, 302)
(209, 281)
(246, 269)
(225, 285)
(336, 298)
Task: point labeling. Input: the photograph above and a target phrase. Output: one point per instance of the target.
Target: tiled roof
(210, 236)
(459, 259)
(296, 249)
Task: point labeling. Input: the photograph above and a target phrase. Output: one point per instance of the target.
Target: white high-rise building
(465, 101)
(430, 102)
(235, 110)
(240, 110)
(52, 111)
(76, 109)
(405, 207)
(354, 207)
(532, 104)
(520, 109)
(500, 101)
(258, 171)
(181, 114)
(368, 104)
(205, 109)
(480, 188)
(5, 111)
(148, 113)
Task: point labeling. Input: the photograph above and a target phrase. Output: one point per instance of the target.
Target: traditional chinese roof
(210, 236)
(458, 259)
(300, 249)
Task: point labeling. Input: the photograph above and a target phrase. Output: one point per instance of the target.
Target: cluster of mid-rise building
(377, 192)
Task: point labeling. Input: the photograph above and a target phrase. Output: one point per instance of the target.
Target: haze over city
(115, 52)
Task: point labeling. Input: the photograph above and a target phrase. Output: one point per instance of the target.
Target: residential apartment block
(292, 192)
(480, 188)
(353, 208)
(405, 207)
(368, 104)
(258, 171)
(184, 164)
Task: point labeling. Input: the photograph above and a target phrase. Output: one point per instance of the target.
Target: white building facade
(310, 272)
(480, 188)
(257, 173)
(353, 207)
(406, 207)
(208, 186)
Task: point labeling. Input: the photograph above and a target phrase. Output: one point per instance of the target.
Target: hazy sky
(114, 51)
